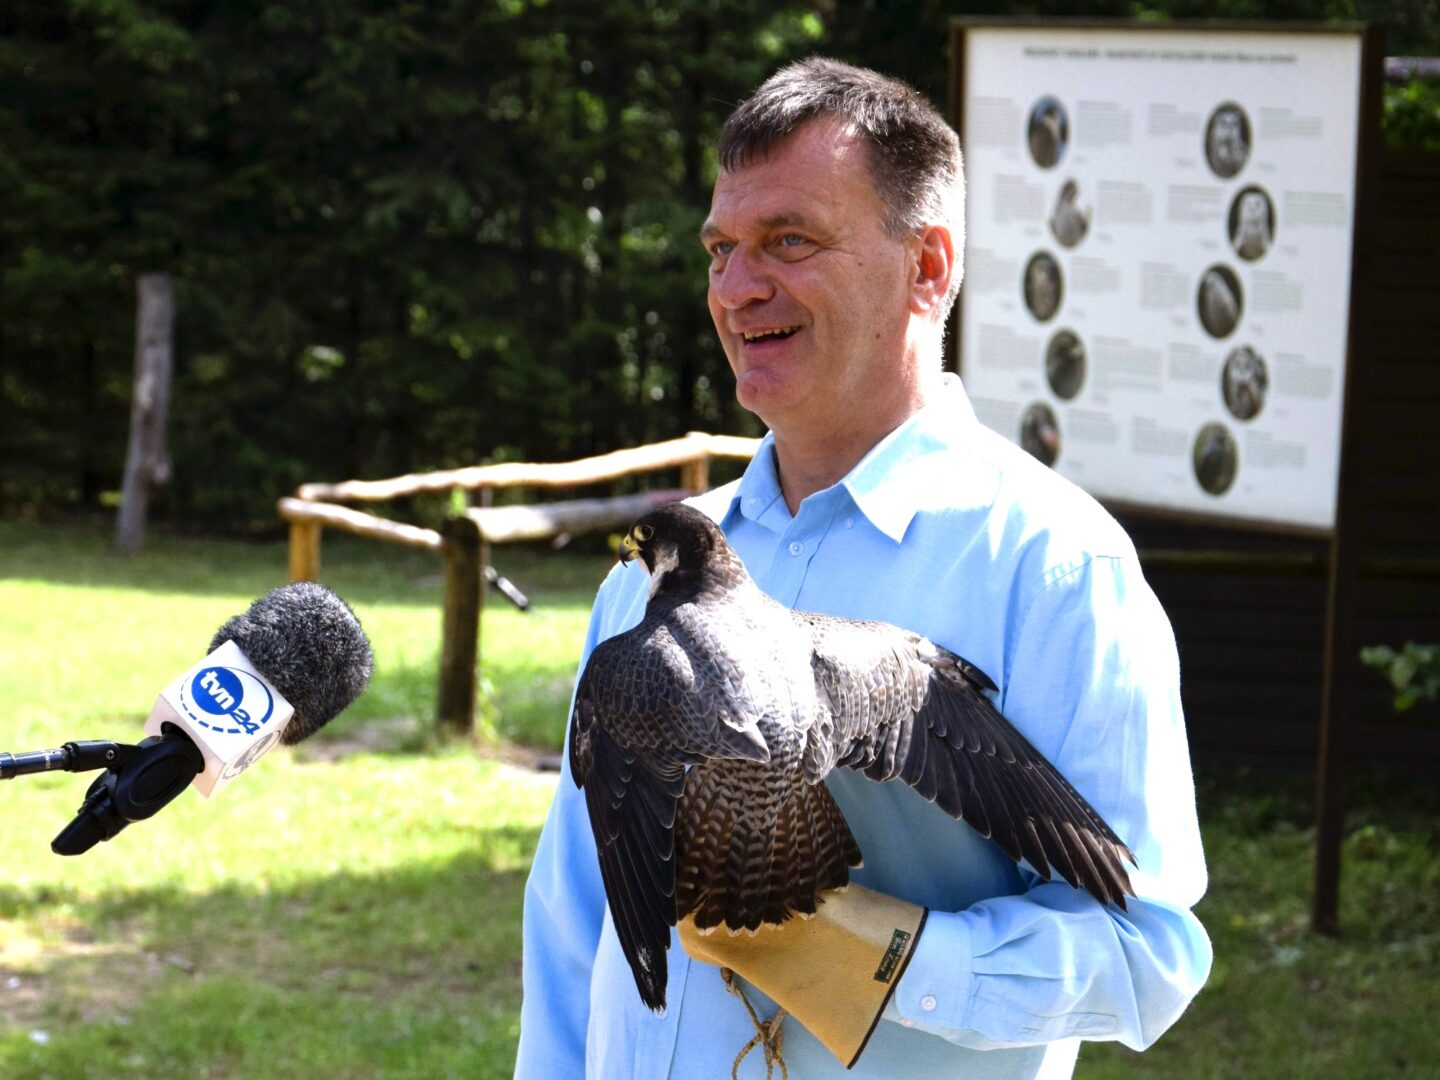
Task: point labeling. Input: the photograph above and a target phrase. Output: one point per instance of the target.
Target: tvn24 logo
(227, 700)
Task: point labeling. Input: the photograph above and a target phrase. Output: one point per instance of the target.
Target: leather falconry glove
(833, 971)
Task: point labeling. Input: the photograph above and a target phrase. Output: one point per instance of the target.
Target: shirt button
(796, 547)
(849, 523)
(928, 1003)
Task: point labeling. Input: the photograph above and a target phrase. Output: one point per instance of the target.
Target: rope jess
(769, 1035)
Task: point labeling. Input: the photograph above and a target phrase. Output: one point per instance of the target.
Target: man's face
(809, 294)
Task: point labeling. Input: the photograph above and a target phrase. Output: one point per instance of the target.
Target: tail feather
(762, 856)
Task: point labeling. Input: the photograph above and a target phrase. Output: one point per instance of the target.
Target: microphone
(276, 673)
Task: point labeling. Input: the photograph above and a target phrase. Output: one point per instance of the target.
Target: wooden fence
(464, 541)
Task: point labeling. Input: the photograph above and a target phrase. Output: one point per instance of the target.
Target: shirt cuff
(938, 985)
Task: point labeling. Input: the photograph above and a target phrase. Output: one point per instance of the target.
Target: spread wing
(641, 715)
(901, 708)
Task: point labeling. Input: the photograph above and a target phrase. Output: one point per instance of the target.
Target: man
(834, 235)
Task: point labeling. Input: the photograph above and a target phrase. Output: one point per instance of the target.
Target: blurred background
(416, 236)
(404, 235)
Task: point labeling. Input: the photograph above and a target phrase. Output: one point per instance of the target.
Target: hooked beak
(629, 547)
(660, 559)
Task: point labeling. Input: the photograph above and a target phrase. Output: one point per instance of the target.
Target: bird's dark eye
(643, 532)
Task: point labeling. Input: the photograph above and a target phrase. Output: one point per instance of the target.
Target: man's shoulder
(715, 503)
(620, 600)
(1034, 509)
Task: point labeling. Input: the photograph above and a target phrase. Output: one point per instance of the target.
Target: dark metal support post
(1341, 648)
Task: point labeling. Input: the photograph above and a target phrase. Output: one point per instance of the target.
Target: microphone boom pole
(74, 756)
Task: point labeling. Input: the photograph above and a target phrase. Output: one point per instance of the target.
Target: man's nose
(743, 280)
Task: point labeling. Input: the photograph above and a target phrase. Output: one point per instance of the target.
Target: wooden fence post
(695, 475)
(305, 550)
(462, 553)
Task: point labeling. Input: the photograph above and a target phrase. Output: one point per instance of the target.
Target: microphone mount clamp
(138, 780)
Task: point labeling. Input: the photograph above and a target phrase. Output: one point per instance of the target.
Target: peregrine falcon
(701, 738)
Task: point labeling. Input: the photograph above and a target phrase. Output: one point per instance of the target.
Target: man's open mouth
(779, 332)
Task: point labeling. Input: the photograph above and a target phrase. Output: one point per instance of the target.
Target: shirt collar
(758, 496)
(895, 478)
(891, 482)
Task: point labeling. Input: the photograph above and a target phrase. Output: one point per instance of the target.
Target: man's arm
(565, 899)
(564, 909)
(1094, 681)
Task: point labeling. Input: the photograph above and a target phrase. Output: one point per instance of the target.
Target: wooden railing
(464, 541)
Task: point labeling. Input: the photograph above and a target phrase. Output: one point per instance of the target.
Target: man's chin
(768, 397)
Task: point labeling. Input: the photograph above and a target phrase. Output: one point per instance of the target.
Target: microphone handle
(72, 757)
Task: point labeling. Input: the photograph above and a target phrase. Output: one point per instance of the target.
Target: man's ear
(934, 270)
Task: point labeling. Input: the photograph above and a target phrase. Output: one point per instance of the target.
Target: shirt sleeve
(1094, 682)
(565, 900)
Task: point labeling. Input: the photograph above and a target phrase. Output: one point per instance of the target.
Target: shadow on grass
(412, 971)
(1283, 1001)
(1259, 820)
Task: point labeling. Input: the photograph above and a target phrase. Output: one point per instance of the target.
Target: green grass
(91, 637)
(361, 915)
(352, 909)
(356, 901)
(1284, 1002)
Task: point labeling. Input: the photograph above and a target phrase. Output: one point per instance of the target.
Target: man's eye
(791, 240)
(721, 248)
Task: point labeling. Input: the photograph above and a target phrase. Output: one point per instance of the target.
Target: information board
(1157, 287)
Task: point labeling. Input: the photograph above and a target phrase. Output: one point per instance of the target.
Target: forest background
(406, 235)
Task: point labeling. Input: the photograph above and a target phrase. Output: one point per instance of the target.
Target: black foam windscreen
(308, 643)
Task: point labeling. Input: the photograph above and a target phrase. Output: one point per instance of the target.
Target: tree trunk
(147, 461)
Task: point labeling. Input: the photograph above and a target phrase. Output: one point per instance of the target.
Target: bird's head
(678, 545)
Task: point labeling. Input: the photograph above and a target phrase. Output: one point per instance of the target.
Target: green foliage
(1412, 115)
(406, 235)
(1413, 671)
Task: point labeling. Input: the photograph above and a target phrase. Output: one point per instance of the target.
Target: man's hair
(915, 163)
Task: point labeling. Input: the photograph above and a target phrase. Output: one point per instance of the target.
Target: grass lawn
(352, 909)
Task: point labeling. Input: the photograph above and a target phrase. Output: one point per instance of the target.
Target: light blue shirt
(946, 529)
